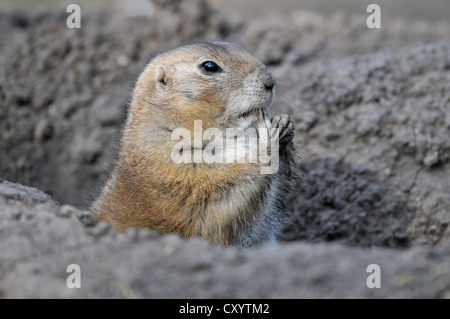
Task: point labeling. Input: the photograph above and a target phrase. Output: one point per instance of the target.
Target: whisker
(285, 97)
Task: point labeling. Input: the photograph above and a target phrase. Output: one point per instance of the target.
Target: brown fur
(224, 203)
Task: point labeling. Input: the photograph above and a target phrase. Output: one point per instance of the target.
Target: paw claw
(285, 127)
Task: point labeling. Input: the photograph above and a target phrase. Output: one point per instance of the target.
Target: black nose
(269, 81)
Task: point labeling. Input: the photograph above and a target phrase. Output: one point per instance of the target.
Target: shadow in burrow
(346, 203)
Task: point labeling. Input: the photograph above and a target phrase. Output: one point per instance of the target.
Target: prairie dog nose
(268, 81)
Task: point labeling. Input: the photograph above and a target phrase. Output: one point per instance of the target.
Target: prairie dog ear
(162, 79)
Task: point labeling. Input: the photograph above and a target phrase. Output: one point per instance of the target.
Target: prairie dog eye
(210, 67)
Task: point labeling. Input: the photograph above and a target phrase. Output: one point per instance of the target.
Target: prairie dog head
(217, 82)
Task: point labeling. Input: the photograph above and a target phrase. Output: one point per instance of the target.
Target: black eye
(210, 67)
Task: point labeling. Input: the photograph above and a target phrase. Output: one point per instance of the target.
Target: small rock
(122, 60)
(43, 130)
(431, 159)
(66, 211)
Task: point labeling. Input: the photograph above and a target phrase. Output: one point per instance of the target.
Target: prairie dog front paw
(285, 127)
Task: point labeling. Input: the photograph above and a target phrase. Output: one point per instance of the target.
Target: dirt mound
(141, 264)
(385, 112)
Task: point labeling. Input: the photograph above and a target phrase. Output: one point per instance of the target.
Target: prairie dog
(231, 204)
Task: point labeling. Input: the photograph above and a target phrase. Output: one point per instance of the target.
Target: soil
(371, 109)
